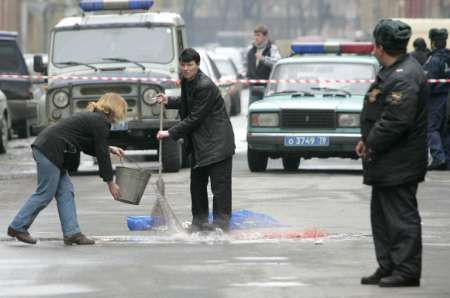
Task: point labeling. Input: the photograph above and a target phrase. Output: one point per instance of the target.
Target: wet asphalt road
(323, 196)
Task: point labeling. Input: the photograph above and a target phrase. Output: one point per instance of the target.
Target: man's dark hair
(440, 43)
(419, 44)
(189, 55)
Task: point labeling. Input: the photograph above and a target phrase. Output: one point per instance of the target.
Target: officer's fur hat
(438, 34)
(392, 34)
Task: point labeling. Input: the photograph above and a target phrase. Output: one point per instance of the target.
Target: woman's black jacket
(86, 132)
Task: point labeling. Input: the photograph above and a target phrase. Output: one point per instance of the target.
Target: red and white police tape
(157, 80)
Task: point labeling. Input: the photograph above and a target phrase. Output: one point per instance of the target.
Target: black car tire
(171, 155)
(236, 104)
(291, 163)
(23, 130)
(257, 160)
(4, 135)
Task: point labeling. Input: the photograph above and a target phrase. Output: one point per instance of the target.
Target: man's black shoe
(224, 226)
(437, 166)
(21, 236)
(374, 279)
(201, 227)
(79, 239)
(398, 281)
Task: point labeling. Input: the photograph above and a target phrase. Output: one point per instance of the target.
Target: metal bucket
(132, 183)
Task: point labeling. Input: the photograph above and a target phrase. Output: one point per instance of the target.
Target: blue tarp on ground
(241, 219)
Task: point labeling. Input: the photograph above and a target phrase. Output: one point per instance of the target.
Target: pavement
(322, 250)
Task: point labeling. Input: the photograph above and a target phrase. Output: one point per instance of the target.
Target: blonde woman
(56, 151)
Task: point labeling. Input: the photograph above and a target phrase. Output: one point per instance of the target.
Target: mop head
(163, 216)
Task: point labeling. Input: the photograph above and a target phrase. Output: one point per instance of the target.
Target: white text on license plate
(306, 141)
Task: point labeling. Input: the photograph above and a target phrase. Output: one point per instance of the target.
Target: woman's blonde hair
(112, 104)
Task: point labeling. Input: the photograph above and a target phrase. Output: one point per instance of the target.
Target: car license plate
(306, 141)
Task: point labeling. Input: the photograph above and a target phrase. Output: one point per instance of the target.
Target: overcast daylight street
(301, 225)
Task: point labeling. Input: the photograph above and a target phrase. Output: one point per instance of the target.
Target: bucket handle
(130, 161)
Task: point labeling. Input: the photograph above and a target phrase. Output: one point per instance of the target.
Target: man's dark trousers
(396, 229)
(437, 126)
(220, 176)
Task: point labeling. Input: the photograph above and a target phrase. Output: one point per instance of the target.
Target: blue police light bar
(99, 5)
(303, 48)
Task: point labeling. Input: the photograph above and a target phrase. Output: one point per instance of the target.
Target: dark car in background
(18, 87)
(5, 124)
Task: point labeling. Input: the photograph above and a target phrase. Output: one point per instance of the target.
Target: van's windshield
(142, 44)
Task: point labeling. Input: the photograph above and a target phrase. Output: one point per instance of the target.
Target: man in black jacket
(421, 52)
(207, 131)
(394, 152)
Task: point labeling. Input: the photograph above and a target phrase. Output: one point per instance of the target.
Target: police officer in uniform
(261, 57)
(437, 67)
(394, 152)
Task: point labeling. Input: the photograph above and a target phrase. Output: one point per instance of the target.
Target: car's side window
(180, 40)
(10, 58)
(214, 69)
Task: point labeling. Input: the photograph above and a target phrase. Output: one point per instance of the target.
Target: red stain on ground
(306, 234)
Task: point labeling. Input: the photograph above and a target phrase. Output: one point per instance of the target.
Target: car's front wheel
(257, 160)
(291, 163)
(4, 135)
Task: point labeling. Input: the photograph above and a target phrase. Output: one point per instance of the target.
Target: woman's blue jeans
(51, 183)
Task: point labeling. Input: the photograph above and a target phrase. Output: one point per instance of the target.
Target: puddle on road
(216, 238)
(32, 290)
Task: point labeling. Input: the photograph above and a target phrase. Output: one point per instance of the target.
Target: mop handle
(161, 118)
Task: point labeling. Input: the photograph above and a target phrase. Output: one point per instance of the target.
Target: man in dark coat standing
(438, 67)
(394, 153)
(207, 131)
(421, 52)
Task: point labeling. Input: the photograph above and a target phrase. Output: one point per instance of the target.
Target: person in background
(438, 67)
(56, 151)
(261, 57)
(208, 133)
(394, 153)
(421, 52)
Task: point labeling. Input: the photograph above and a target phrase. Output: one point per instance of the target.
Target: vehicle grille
(308, 119)
(100, 90)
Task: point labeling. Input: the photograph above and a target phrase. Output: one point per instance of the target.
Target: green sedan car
(312, 104)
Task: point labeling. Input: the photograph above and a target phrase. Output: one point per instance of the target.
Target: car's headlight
(348, 120)
(265, 119)
(149, 96)
(60, 99)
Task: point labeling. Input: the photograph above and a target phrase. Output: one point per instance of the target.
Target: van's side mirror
(39, 65)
